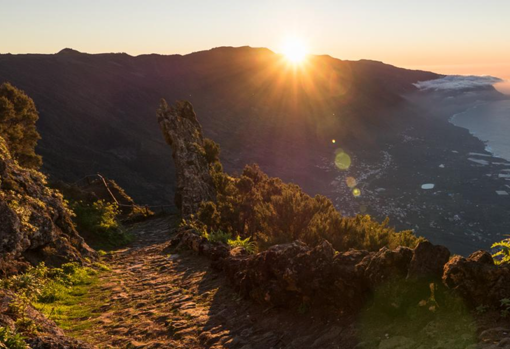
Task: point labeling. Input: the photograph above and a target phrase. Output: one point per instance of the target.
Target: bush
(212, 151)
(99, 221)
(267, 211)
(18, 116)
(45, 285)
(218, 236)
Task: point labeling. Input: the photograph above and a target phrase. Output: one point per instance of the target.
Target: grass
(77, 308)
(72, 295)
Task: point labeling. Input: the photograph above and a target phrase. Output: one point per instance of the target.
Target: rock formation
(477, 279)
(292, 274)
(184, 134)
(35, 224)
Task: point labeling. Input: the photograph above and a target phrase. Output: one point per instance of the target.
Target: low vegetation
(259, 211)
(18, 116)
(416, 312)
(67, 295)
(99, 222)
(502, 255)
(12, 340)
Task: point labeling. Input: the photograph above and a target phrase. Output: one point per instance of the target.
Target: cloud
(458, 82)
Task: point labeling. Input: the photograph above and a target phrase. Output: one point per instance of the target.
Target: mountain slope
(97, 112)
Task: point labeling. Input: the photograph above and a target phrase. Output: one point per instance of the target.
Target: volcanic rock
(183, 133)
(35, 224)
(477, 279)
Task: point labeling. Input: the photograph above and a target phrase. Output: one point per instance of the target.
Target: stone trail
(162, 300)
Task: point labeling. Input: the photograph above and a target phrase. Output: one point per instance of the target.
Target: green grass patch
(77, 308)
(71, 296)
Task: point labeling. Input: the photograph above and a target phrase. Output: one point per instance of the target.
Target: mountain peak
(68, 51)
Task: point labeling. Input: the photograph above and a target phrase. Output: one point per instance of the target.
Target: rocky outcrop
(35, 224)
(48, 336)
(428, 260)
(385, 265)
(295, 274)
(184, 134)
(477, 279)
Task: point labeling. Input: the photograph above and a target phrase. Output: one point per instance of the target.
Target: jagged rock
(184, 134)
(294, 274)
(385, 265)
(428, 261)
(48, 336)
(477, 279)
(35, 224)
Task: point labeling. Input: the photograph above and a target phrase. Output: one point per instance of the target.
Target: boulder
(477, 279)
(428, 261)
(184, 135)
(385, 265)
(35, 224)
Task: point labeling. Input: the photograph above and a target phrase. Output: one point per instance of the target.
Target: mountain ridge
(99, 108)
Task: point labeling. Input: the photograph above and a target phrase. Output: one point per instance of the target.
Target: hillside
(97, 111)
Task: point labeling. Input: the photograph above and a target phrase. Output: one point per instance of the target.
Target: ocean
(489, 122)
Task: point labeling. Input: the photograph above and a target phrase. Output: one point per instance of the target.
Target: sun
(294, 50)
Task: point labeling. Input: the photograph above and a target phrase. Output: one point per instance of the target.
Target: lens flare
(342, 160)
(351, 182)
(333, 141)
(356, 192)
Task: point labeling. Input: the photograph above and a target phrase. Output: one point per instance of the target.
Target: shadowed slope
(96, 111)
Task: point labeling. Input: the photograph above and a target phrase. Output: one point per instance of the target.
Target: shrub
(218, 236)
(11, 340)
(100, 222)
(267, 211)
(18, 116)
(46, 285)
(212, 151)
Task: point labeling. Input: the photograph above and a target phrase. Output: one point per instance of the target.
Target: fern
(218, 236)
(503, 255)
(249, 246)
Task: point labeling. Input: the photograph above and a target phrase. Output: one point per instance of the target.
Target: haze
(454, 37)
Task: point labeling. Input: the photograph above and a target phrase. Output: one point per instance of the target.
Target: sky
(446, 36)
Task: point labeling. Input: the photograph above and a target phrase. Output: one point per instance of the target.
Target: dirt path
(161, 300)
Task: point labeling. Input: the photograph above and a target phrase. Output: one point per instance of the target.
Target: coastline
(463, 210)
(494, 144)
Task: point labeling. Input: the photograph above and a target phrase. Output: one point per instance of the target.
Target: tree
(18, 116)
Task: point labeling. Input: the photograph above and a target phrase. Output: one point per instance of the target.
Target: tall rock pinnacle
(183, 133)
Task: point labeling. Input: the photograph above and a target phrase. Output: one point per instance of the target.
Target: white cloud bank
(457, 82)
